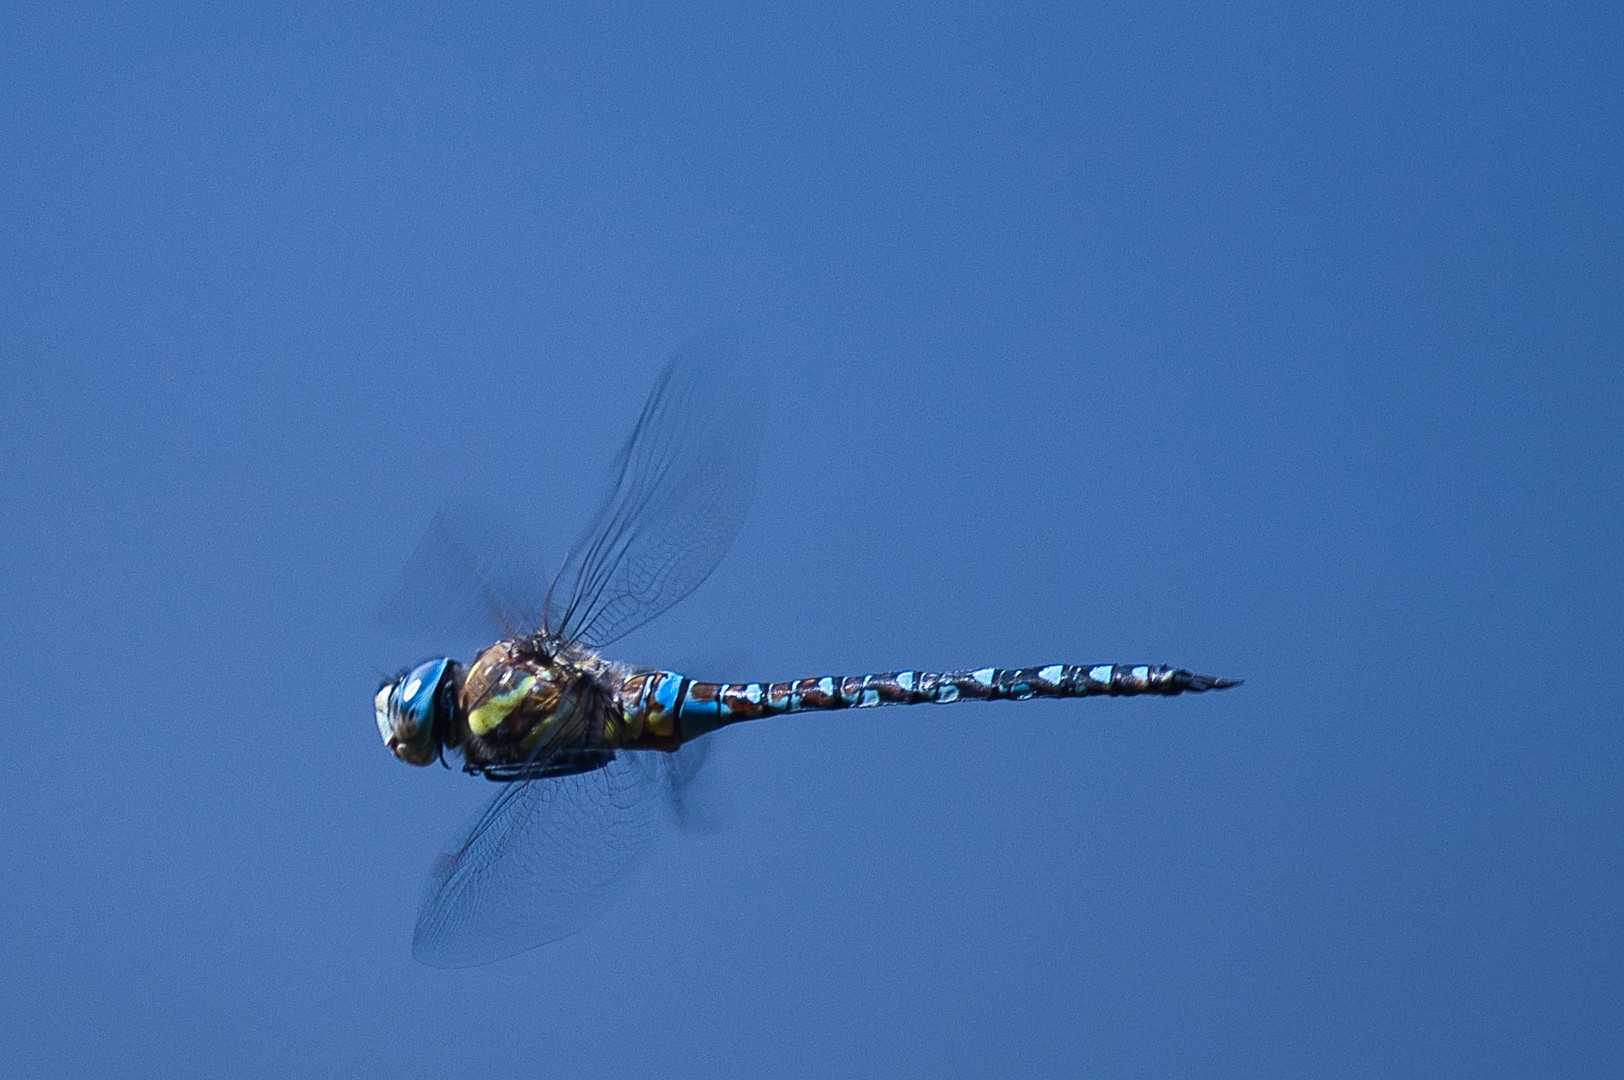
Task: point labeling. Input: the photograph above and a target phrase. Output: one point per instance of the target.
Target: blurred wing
(545, 858)
(467, 579)
(682, 486)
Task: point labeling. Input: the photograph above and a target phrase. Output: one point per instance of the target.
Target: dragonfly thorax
(417, 710)
(525, 698)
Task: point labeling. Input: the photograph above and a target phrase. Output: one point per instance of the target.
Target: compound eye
(412, 711)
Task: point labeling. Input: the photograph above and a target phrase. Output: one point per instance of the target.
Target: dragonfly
(592, 755)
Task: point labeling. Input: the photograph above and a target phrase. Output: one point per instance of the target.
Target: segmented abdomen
(687, 709)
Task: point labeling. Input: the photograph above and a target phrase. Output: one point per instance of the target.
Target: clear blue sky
(1267, 341)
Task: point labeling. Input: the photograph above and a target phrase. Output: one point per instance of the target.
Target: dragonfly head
(415, 710)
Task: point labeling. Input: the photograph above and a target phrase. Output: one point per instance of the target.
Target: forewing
(546, 857)
(680, 490)
(467, 580)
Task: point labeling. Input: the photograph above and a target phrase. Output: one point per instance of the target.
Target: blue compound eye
(413, 712)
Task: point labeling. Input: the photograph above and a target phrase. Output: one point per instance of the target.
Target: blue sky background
(1272, 342)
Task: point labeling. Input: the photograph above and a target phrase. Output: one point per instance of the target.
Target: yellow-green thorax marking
(483, 718)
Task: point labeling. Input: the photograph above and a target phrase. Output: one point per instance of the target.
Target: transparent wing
(546, 857)
(679, 491)
(466, 580)
(682, 486)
